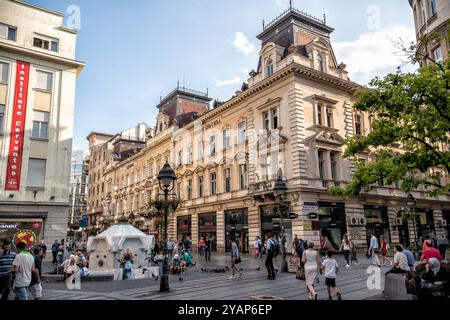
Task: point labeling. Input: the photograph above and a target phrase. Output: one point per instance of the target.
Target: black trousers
(54, 257)
(395, 270)
(269, 264)
(207, 254)
(5, 286)
(442, 249)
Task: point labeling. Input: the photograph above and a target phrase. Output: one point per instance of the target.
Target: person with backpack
(299, 250)
(270, 247)
(55, 249)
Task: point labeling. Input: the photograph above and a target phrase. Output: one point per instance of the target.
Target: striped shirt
(6, 262)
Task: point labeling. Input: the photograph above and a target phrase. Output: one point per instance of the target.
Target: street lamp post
(280, 189)
(411, 204)
(166, 178)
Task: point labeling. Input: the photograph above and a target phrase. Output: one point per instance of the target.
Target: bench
(395, 288)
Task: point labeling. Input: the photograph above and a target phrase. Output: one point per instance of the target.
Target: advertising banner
(14, 164)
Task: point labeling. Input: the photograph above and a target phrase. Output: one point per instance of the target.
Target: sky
(136, 51)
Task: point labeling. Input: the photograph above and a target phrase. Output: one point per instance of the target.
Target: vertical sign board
(14, 165)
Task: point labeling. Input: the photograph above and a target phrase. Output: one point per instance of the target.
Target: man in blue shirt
(55, 249)
(410, 258)
(374, 250)
(6, 265)
(170, 246)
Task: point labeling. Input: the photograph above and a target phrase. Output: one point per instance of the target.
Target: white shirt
(400, 257)
(330, 268)
(345, 246)
(25, 263)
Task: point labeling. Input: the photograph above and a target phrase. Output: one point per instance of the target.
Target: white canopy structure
(106, 249)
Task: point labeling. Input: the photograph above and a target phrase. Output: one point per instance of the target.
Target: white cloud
(241, 43)
(374, 54)
(228, 82)
(280, 3)
(245, 71)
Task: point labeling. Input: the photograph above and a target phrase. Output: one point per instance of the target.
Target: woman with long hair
(384, 250)
(345, 248)
(235, 258)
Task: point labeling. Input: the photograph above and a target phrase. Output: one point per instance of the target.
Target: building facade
(105, 150)
(432, 17)
(78, 194)
(38, 71)
(289, 120)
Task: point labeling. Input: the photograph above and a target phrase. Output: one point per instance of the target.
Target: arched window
(320, 64)
(269, 67)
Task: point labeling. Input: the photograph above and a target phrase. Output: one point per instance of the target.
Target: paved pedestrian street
(200, 285)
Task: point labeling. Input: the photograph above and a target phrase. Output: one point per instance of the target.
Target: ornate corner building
(432, 17)
(290, 119)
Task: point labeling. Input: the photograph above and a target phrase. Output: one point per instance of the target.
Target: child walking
(331, 268)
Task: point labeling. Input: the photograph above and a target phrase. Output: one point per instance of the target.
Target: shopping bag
(300, 274)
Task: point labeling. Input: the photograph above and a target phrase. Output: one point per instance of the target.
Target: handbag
(238, 260)
(300, 274)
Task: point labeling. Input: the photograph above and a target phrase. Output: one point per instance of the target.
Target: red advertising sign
(14, 165)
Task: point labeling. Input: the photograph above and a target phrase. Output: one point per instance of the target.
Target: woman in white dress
(312, 264)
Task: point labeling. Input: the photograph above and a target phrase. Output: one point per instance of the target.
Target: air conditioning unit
(444, 223)
(353, 221)
(398, 221)
(362, 221)
(440, 222)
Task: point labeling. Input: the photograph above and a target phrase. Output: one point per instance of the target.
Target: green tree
(410, 132)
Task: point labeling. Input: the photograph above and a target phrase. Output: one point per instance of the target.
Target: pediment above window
(199, 169)
(241, 157)
(325, 135)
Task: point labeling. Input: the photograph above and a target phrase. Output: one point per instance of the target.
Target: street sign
(313, 215)
(293, 215)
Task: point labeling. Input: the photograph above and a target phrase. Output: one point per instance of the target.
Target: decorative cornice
(293, 68)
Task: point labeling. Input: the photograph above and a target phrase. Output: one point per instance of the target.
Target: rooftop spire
(290, 4)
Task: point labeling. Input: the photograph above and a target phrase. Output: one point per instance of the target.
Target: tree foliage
(410, 131)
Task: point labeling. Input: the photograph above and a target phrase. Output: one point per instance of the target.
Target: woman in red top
(201, 246)
(384, 250)
(431, 252)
